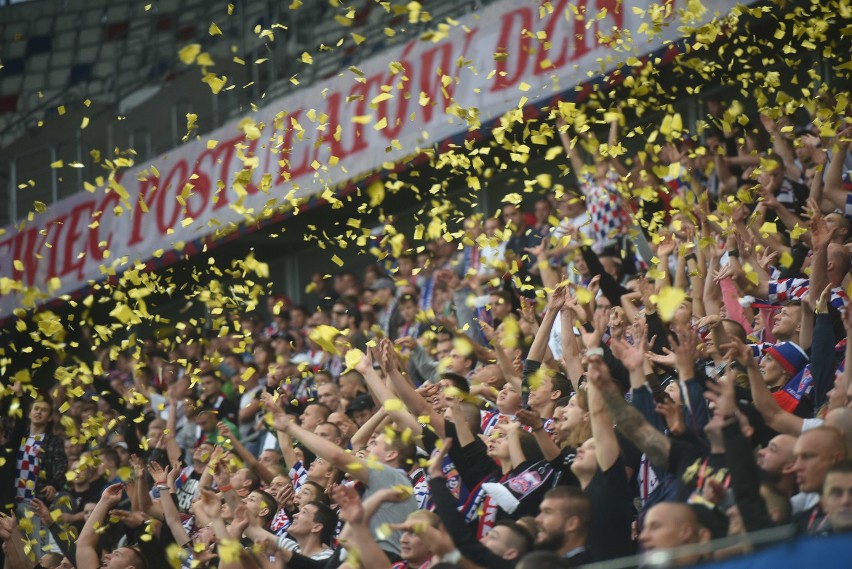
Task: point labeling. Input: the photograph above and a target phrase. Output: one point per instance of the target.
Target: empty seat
(38, 62)
(61, 60)
(65, 41)
(10, 85)
(65, 22)
(88, 53)
(57, 78)
(90, 35)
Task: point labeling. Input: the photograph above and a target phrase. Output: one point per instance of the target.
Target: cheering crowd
(651, 359)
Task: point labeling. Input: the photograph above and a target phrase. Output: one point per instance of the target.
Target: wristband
(541, 428)
(453, 557)
(160, 482)
(734, 253)
(594, 352)
(162, 487)
(225, 488)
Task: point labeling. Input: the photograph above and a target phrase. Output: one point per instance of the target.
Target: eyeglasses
(340, 312)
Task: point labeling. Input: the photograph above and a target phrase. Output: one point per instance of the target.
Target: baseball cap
(361, 402)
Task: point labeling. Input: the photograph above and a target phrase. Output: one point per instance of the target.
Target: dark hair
(325, 408)
(842, 467)
(525, 540)
(577, 503)
(543, 560)
(334, 427)
(530, 447)
(254, 480)
(458, 381)
(271, 506)
(321, 495)
(563, 401)
(325, 516)
(406, 449)
(561, 384)
(110, 454)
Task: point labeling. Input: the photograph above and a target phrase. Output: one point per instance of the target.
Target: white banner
(313, 140)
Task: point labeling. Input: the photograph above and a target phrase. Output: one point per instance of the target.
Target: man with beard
(563, 524)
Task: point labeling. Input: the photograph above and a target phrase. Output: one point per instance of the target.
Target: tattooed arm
(633, 425)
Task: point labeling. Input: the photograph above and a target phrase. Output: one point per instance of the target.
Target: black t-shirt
(562, 473)
(693, 465)
(93, 495)
(612, 513)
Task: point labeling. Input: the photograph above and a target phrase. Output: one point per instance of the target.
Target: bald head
(841, 419)
(668, 525)
(838, 263)
(777, 457)
(815, 451)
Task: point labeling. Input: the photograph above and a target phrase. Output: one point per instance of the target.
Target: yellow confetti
(668, 301)
(189, 53)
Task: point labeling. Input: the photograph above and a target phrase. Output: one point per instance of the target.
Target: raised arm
(606, 444)
(570, 348)
(246, 455)
(570, 150)
(833, 193)
(362, 435)
(415, 402)
(356, 534)
(340, 459)
(87, 542)
(632, 425)
(170, 511)
(776, 418)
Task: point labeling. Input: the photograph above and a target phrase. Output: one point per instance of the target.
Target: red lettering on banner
(512, 24)
(363, 91)
(559, 57)
(72, 260)
(403, 79)
(95, 250)
(336, 147)
(166, 196)
(288, 161)
(145, 186)
(430, 79)
(27, 248)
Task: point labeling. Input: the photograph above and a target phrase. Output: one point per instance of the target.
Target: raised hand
(349, 502)
(738, 351)
(488, 331)
(668, 358)
(172, 475)
(436, 461)
(685, 347)
(673, 414)
(41, 510)
(132, 518)
(723, 394)
(8, 526)
(632, 356)
(557, 299)
(240, 522)
(406, 342)
(529, 419)
(598, 374)
(821, 235)
(112, 494)
(225, 431)
(210, 504)
(157, 473)
(138, 466)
